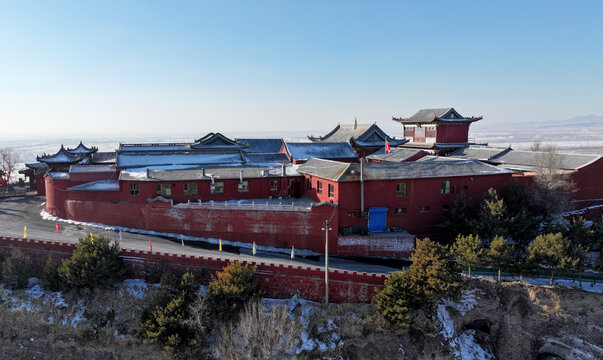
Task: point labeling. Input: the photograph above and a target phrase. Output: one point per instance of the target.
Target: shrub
(16, 269)
(50, 274)
(231, 288)
(95, 262)
(260, 334)
(431, 276)
(167, 320)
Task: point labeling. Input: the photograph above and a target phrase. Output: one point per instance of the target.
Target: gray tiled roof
(339, 171)
(216, 141)
(440, 114)
(527, 160)
(262, 146)
(482, 153)
(362, 134)
(324, 150)
(252, 158)
(396, 155)
(104, 157)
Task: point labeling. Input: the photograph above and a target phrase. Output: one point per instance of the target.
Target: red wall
(419, 192)
(278, 281)
(281, 229)
(588, 180)
(452, 133)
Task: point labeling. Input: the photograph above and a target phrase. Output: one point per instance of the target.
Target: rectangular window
(319, 187)
(134, 189)
(400, 211)
(164, 189)
(424, 209)
(430, 132)
(190, 189)
(217, 187)
(465, 188)
(445, 188)
(309, 183)
(244, 186)
(445, 207)
(401, 189)
(331, 190)
(273, 184)
(351, 214)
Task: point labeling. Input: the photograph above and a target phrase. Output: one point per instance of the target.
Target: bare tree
(259, 333)
(553, 187)
(8, 164)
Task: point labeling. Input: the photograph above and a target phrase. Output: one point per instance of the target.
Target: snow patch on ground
(468, 349)
(13, 198)
(587, 285)
(463, 345)
(133, 287)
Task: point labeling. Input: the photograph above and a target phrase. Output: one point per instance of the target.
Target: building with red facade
(437, 130)
(247, 191)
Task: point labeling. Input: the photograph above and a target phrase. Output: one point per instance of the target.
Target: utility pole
(326, 229)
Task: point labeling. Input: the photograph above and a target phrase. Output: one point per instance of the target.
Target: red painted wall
(588, 180)
(419, 192)
(281, 229)
(452, 133)
(278, 281)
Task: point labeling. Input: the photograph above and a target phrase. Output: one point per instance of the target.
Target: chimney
(203, 172)
(283, 172)
(241, 176)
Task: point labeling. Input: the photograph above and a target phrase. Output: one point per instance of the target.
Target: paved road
(17, 213)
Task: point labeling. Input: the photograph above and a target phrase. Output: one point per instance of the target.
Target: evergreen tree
(433, 273)
(397, 300)
(431, 276)
(500, 254)
(461, 216)
(524, 218)
(469, 251)
(556, 252)
(492, 216)
(231, 288)
(597, 233)
(95, 262)
(165, 321)
(579, 234)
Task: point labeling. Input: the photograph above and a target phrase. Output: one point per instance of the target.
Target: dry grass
(259, 333)
(45, 331)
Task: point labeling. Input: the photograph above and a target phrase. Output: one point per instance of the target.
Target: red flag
(387, 149)
(57, 228)
(150, 246)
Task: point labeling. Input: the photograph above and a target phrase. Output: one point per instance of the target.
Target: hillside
(488, 321)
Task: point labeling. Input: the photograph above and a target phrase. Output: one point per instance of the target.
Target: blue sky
(154, 67)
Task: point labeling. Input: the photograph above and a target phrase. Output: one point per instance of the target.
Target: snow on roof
(59, 175)
(154, 147)
(325, 150)
(163, 174)
(125, 159)
(91, 168)
(99, 185)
